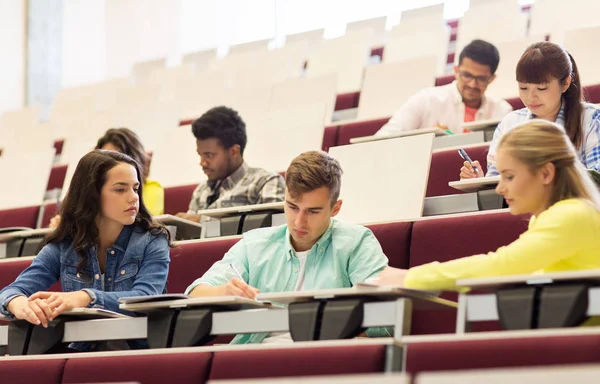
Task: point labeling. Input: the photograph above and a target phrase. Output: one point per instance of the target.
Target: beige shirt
(441, 105)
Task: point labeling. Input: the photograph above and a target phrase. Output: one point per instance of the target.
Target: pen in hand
(237, 274)
(466, 157)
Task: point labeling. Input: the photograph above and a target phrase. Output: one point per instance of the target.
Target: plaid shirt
(589, 153)
(245, 186)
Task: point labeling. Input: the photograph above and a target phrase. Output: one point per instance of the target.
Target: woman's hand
(34, 311)
(391, 277)
(58, 302)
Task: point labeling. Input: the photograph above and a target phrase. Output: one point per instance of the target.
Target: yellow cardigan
(154, 197)
(565, 237)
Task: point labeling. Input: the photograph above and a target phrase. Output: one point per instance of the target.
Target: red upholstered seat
(11, 268)
(444, 80)
(50, 210)
(19, 217)
(57, 177)
(516, 103)
(330, 137)
(359, 129)
(509, 352)
(180, 368)
(378, 51)
(347, 101)
(451, 238)
(592, 93)
(58, 146)
(445, 167)
(395, 241)
(192, 260)
(298, 362)
(177, 199)
(32, 371)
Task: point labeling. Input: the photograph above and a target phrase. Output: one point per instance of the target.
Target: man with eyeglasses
(450, 106)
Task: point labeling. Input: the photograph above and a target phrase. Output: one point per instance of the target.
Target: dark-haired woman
(106, 246)
(125, 141)
(550, 88)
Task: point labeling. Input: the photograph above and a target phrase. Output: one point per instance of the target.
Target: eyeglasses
(467, 77)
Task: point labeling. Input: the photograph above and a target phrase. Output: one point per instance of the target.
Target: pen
(236, 272)
(466, 157)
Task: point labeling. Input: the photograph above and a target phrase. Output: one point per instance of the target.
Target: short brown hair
(312, 170)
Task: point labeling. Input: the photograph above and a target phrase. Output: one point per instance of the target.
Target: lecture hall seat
(445, 167)
(180, 368)
(50, 210)
(190, 261)
(19, 217)
(289, 362)
(359, 129)
(39, 371)
(177, 199)
(57, 177)
(395, 241)
(450, 238)
(513, 351)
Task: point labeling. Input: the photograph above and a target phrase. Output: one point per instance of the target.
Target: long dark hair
(82, 204)
(127, 142)
(544, 61)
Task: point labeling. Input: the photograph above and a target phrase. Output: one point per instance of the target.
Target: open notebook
(150, 299)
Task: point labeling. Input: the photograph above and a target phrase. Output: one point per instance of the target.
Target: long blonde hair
(539, 142)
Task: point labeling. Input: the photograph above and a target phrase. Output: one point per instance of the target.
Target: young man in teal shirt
(313, 251)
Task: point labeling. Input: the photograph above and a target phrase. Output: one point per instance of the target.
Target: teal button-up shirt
(344, 255)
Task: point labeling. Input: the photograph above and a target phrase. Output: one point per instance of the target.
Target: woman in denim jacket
(106, 246)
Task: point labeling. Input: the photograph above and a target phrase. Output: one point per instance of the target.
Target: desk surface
(84, 314)
(378, 378)
(547, 278)
(481, 124)
(233, 302)
(23, 234)
(221, 212)
(359, 291)
(186, 229)
(422, 131)
(474, 185)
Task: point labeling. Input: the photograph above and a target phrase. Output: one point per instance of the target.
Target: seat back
(395, 241)
(289, 362)
(184, 368)
(505, 352)
(449, 238)
(177, 199)
(445, 167)
(190, 261)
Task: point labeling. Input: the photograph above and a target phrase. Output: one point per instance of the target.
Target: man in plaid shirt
(220, 141)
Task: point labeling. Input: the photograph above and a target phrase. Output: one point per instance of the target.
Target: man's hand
(235, 287)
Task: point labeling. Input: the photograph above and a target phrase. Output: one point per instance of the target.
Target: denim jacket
(137, 265)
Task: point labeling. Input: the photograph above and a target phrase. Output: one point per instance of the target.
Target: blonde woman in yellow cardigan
(539, 174)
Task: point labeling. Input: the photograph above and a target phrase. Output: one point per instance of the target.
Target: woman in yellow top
(126, 141)
(539, 174)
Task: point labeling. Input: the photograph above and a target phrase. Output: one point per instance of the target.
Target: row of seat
(444, 168)
(407, 244)
(198, 365)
